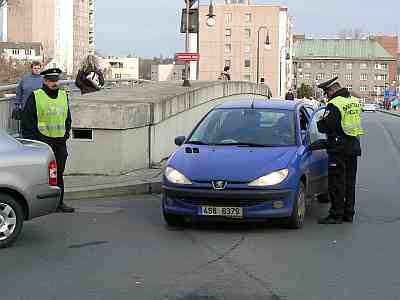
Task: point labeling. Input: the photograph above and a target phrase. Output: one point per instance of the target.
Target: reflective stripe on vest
(51, 113)
(350, 111)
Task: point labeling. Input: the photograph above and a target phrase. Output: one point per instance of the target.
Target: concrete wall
(132, 132)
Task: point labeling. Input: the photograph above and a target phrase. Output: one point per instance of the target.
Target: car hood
(231, 163)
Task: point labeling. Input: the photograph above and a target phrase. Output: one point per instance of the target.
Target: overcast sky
(151, 27)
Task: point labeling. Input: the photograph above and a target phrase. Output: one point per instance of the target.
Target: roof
(341, 49)
(260, 102)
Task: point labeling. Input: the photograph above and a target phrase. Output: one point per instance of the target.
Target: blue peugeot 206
(247, 159)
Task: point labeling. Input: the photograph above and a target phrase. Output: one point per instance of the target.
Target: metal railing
(7, 102)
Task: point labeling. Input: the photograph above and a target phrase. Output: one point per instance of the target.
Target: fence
(7, 102)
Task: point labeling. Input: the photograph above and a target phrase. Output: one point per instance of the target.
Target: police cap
(51, 74)
(327, 84)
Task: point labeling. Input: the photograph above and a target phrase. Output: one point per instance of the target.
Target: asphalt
(120, 248)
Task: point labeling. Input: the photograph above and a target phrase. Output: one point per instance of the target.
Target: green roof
(340, 49)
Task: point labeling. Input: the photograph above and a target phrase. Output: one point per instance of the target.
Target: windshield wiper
(240, 144)
(196, 143)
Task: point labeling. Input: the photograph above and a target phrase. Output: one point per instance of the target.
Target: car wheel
(11, 220)
(173, 220)
(296, 220)
(323, 198)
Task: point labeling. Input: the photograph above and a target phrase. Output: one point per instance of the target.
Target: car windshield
(246, 127)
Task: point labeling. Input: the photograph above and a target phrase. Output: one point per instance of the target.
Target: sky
(150, 28)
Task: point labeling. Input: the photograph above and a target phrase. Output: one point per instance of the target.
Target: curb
(112, 190)
(389, 113)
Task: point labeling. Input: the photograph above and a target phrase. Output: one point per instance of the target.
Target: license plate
(229, 212)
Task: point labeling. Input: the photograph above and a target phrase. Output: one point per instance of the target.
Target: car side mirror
(179, 140)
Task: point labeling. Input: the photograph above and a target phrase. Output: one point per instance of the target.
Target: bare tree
(12, 70)
(2, 2)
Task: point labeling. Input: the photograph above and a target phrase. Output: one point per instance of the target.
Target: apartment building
(22, 51)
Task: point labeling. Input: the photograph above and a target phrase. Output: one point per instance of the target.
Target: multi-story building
(167, 72)
(64, 34)
(22, 51)
(92, 41)
(362, 65)
(233, 41)
(121, 67)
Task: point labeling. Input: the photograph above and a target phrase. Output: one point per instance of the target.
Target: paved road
(121, 249)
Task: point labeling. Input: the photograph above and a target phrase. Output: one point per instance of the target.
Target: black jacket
(84, 84)
(29, 128)
(331, 124)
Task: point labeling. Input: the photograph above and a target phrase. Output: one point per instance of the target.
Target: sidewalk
(390, 112)
(95, 186)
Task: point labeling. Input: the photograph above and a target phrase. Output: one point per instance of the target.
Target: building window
(307, 65)
(349, 87)
(228, 48)
(15, 51)
(336, 75)
(28, 51)
(349, 66)
(228, 32)
(349, 76)
(320, 76)
(247, 77)
(247, 33)
(322, 65)
(228, 63)
(307, 76)
(336, 66)
(364, 77)
(381, 66)
(363, 66)
(247, 48)
(247, 18)
(363, 88)
(381, 77)
(118, 76)
(247, 63)
(228, 18)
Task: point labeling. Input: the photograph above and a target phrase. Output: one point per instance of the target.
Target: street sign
(183, 56)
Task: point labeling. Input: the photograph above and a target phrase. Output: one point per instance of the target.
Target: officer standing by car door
(342, 125)
(46, 117)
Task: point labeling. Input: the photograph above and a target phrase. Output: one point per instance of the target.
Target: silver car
(28, 179)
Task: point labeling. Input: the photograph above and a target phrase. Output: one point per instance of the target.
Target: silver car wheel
(301, 206)
(8, 221)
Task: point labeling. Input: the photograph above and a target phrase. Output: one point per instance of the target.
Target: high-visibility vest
(350, 110)
(51, 113)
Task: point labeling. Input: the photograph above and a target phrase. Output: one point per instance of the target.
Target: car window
(304, 121)
(309, 110)
(313, 128)
(269, 127)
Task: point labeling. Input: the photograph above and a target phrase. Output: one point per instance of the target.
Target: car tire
(296, 220)
(323, 198)
(11, 220)
(173, 220)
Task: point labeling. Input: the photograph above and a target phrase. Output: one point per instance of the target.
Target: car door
(318, 163)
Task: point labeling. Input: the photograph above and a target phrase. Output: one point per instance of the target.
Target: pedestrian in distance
(46, 117)
(342, 125)
(225, 74)
(289, 95)
(90, 78)
(26, 86)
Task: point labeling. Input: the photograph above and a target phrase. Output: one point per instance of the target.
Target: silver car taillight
(53, 173)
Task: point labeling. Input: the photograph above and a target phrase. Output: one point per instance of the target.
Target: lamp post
(210, 23)
(267, 46)
(287, 57)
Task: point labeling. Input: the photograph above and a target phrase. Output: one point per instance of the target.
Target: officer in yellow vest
(46, 117)
(342, 125)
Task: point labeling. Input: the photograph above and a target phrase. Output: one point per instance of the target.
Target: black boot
(330, 220)
(65, 208)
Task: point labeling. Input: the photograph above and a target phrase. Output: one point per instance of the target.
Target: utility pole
(186, 82)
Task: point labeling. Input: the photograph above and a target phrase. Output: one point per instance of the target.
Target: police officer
(46, 117)
(342, 125)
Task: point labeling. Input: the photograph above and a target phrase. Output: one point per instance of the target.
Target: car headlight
(175, 176)
(273, 178)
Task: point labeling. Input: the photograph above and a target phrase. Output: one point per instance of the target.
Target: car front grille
(221, 202)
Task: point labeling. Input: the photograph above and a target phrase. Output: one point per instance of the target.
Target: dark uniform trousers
(61, 154)
(342, 181)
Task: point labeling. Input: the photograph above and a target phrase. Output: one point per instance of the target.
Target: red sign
(188, 56)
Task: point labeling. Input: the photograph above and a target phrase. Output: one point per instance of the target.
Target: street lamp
(210, 23)
(287, 57)
(267, 46)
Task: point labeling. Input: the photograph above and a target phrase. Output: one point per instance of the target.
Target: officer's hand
(318, 145)
(16, 113)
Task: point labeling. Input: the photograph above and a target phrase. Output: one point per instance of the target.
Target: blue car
(247, 159)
